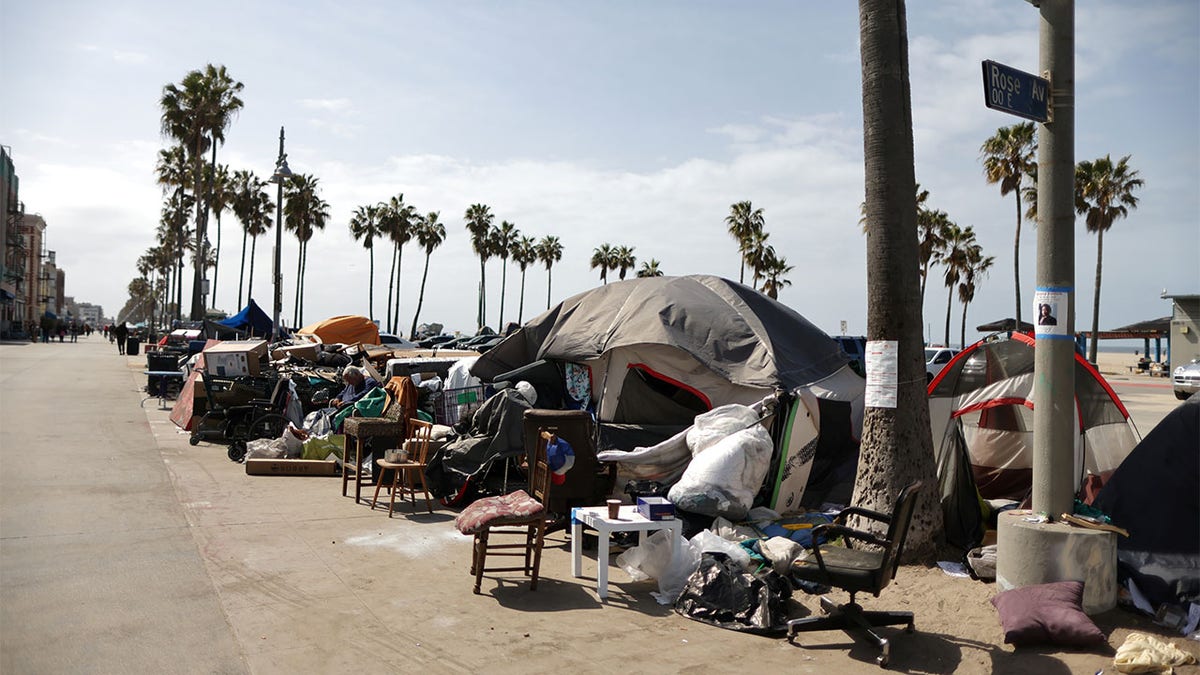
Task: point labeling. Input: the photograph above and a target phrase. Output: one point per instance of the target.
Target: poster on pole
(882, 369)
(1050, 312)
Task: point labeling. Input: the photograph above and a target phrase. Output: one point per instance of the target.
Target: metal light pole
(282, 173)
(1054, 359)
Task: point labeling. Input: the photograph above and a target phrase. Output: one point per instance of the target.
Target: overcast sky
(629, 123)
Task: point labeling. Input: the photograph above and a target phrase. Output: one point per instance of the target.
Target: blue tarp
(251, 319)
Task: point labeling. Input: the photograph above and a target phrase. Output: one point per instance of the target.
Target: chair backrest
(897, 532)
(539, 478)
(422, 433)
(279, 395)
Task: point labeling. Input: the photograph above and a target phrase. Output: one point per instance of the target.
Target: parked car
(396, 342)
(1186, 379)
(936, 358)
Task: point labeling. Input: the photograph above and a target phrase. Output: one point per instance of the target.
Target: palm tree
(220, 196)
(743, 220)
(624, 260)
(757, 254)
(956, 259)
(174, 175)
(503, 240)
(364, 226)
(604, 257)
(773, 270)
(650, 269)
(549, 251)
(253, 207)
(304, 212)
(1007, 160)
(524, 253)
(196, 113)
(1103, 193)
(931, 228)
(397, 221)
(430, 234)
(976, 269)
(479, 223)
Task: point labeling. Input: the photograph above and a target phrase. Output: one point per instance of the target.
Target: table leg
(576, 548)
(602, 561)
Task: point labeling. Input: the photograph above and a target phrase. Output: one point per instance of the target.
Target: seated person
(357, 385)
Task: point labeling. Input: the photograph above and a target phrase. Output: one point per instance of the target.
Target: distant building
(93, 315)
(12, 249)
(1185, 316)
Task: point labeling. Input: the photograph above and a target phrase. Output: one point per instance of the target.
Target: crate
(454, 404)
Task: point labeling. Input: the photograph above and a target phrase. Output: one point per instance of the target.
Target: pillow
(1047, 614)
(496, 510)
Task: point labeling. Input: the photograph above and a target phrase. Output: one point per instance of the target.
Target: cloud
(125, 56)
(327, 104)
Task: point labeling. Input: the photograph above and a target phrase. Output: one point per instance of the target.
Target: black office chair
(858, 570)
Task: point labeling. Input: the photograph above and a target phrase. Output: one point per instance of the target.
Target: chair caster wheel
(791, 638)
(882, 661)
(194, 440)
(910, 628)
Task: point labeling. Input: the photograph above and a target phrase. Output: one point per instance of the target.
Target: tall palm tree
(604, 257)
(1007, 160)
(743, 220)
(304, 212)
(976, 269)
(1103, 193)
(220, 198)
(549, 251)
(624, 260)
(253, 208)
(364, 227)
(931, 229)
(430, 234)
(757, 254)
(774, 269)
(479, 223)
(503, 240)
(650, 269)
(524, 253)
(397, 221)
(956, 259)
(195, 113)
(173, 173)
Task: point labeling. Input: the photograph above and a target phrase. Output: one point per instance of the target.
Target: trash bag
(716, 424)
(653, 559)
(722, 594)
(723, 479)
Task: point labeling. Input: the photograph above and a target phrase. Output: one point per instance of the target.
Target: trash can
(131, 346)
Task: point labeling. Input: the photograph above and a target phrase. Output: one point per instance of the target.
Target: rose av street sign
(1016, 92)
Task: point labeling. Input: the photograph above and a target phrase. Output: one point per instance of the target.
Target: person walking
(119, 333)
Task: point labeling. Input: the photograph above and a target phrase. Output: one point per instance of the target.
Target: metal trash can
(131, 346)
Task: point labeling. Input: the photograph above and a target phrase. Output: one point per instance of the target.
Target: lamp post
(282, 173)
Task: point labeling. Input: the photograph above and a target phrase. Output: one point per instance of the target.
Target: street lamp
(282, 173)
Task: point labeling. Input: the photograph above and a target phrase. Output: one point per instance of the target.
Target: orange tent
(347, 329)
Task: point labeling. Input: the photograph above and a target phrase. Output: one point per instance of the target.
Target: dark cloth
(496, 432)
(352, 393)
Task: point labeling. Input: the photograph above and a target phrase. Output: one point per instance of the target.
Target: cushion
(496, 511)
(1047, 614)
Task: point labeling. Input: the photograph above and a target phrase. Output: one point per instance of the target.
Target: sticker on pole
(1050, 313)
(881, 373)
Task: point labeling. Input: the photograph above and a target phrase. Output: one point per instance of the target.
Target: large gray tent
(660, 350)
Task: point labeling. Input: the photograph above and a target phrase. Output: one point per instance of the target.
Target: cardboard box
(655, 508)
(229, 365)
(291, 467)
(306, 352)
(235, 357)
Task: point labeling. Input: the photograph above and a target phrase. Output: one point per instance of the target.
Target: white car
(396, 342)
(936, 358)
(1186, 379)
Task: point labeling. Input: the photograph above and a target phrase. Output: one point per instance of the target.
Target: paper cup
(614, 508)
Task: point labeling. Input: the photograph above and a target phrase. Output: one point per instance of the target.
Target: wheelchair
(234, 419)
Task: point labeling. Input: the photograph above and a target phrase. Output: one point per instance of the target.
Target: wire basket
(455, 404)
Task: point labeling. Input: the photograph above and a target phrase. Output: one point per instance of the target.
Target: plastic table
(162, 394)
(628, 520)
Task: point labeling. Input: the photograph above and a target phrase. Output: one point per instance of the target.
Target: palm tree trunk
(197, 310)
(521, 306)
(300, 290)
(549, 283)
(371, 287)
(949, 301)
(421, 297)
(399, 269)
(242, 271)
(1096, 299)
(482, 293)
(742, 270)
(503, 286)
(962, 333)
(391, 284)
(216, 261)
(1017, 256)
(250, 283)
(299, 269)
(924, 276)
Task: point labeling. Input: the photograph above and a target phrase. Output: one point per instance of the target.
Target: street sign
(1016, 92)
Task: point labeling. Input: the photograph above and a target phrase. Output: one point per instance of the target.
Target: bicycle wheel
(270, 425)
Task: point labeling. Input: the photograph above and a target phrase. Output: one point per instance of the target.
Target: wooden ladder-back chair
(518, 514)
(858, 570)
(406, 475)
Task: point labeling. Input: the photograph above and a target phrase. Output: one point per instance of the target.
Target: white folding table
(628, 520)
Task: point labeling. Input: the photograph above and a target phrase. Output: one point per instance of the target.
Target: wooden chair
(405, 475)
(531, 528)
(390, 428)
(858, 570)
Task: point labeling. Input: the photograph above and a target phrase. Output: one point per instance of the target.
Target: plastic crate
(455, 404)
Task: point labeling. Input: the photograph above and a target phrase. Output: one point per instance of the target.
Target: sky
(628, 123)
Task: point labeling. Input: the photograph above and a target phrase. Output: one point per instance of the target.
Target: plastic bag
(715, 425)
(723, 479)
(707, 541)
(722, 594)
(320, 447)
(653, 559)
